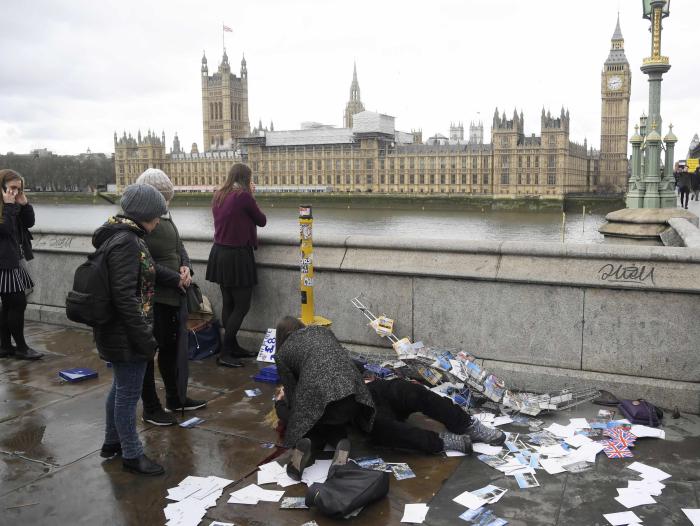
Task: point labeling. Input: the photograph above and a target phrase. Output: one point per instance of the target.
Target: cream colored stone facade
(381, 159)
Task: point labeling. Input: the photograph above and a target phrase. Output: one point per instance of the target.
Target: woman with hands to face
(16, 218)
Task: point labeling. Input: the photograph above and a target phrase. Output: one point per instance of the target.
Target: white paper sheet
(318, 472)
(501, 420)
(560, 430)
(646, 431)
(552, 466)
(456, 453)
(652, 487)
(553, 451)
(470, 501)
(577, 440)
(579, 423)
(693, 515)
(484, 417)
(622, 519)
(415, 513)
(480, 447)
(649, 472)
(631, 498)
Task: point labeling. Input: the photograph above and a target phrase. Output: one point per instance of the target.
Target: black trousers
(12, 320)
(235, 305)
(165, 328)
(396, 400)
(333, 425)
(685, 192)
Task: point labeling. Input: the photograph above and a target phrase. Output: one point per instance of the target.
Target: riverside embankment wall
(541, 315)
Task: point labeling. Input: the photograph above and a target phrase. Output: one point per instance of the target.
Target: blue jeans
(121, 408)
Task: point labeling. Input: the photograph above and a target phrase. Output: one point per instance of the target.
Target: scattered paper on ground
(415, 513)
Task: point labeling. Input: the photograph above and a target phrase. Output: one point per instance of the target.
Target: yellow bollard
(306, 283)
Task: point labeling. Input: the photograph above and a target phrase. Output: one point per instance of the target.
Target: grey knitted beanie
(142, 202)
(158, 179)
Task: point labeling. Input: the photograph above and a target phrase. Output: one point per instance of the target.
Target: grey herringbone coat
(316, 370)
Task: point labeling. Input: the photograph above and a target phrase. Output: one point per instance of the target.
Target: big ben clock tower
(615, 94)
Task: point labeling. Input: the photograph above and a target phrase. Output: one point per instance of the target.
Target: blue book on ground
(77, 374)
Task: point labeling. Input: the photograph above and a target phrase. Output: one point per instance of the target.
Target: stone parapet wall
(544, 315)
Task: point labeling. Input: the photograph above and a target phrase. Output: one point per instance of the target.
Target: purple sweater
(235, 220)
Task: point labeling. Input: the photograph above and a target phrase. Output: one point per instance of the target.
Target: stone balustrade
(542, 315)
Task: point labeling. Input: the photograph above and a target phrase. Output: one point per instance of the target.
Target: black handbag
(194, 298)
(347, 488)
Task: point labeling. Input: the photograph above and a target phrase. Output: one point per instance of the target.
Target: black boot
(301, 459)
(228, 360)
(28, 354)
(110, 450)
(142, 465)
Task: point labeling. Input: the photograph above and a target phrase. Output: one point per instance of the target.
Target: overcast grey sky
(73, 72)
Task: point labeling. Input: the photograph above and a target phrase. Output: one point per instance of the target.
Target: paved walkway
(51, 471)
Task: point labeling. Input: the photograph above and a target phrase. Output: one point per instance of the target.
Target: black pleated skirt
(232, 266)
(15, 280)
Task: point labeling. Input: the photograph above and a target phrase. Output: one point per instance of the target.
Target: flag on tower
(227, 29)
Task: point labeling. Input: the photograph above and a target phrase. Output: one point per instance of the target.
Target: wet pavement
(51, 471)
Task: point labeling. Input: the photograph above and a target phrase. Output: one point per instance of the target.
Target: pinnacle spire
(617, 35)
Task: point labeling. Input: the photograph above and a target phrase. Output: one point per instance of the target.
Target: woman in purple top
(231, 260)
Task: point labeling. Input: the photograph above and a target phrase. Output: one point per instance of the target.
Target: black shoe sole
(301, 459)
(156, 423)
(189, 408)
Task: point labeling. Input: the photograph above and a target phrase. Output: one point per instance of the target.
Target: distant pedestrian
(174, 273)
(684, 186)
(695, 183)
(16, 217)
(128, 342)
(231, 261)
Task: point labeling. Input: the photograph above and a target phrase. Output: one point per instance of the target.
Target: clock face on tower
(614, 83)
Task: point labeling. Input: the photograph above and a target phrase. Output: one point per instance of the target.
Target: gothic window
(452, 163)
(520, 178)
(211, 111)
(528, 178)
(309, 166)
(520, 161)
(475, 179)
(453, 179)
(357, 178)
(337, 165)
(401, 164)
(369, 178)
(402, 178)
(369, 164)
(412, 178)
(528, 161)
(442, 163)
(347, 178)
(422, 162)
(551, 179)
(412, 163)
(464, 163)
(464, 178)
(474, 163)
(432, 178)
(357, 164)
(486, 178)
(537, 162)
(382, 178)
(391, 164)
(422, 178)
(221, 113)
(505, 178)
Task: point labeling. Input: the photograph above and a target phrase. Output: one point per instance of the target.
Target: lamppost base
(635, 200)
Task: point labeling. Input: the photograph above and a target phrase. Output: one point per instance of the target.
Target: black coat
(316, 370)
(14, 233)
(132, 277)
(695, 181)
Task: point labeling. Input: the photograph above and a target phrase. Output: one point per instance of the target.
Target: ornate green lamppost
(647, 188)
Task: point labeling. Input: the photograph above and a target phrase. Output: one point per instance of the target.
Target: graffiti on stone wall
(54, 242)
(641, 275)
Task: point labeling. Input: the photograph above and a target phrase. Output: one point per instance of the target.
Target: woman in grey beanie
(169, 313)
(127, 342)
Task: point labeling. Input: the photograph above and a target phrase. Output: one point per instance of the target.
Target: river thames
(421, 224)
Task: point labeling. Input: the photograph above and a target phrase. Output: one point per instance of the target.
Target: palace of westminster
(369, 155)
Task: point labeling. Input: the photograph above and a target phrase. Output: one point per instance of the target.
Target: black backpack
(90, 300)
(347, 488)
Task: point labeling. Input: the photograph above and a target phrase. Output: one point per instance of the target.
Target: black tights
(12, 320)
(235, 305)
(685, 192)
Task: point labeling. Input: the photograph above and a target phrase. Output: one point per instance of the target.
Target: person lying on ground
(395, 400)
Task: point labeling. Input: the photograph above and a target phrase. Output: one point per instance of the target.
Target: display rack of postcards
(456, 373)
